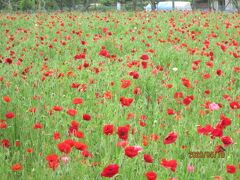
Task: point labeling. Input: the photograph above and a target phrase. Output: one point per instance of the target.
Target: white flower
(174, 69)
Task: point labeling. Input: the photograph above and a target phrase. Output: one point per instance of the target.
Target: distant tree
(134, 5)
(106, 2)
(86, 4)
(26, 5)
(236, 4)
(60, 4)
(6, 4)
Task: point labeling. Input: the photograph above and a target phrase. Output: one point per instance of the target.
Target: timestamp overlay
(206, 154)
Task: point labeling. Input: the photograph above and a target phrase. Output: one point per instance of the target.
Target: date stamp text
(206, 154)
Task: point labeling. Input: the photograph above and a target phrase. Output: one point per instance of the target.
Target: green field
(141, 91)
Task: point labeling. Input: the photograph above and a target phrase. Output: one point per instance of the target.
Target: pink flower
(213, 106)
(122, 144)
(138, 148)
(190, 168)
(65, 159)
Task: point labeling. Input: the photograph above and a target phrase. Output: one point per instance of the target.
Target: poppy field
(121, 95)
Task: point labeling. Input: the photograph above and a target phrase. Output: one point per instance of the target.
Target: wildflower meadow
(121, 95)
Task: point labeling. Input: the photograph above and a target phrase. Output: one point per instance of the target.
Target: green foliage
(236, 4)
(26, 5)
(51, 5)
(106, 2)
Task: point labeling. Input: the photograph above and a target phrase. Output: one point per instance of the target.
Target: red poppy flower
(9, 115)
(144, 57)
(125, 83)
(234, 105)
(80, 146)
(86, 64)
(5, 143)
(77, 101)
(75, 85)
(86, 117)
(130, 116)
(64, 147)
(108, 129)
(17, 143)
(29, 150)
(178, 95)
(80, 56)
(8, 61)
(110, 170)
(224, 122)
(151, 175)
(217, 132)
(227, 97)
(56, 135)
(207, 91)
(219, 149)
(171, 138)
(132, 151)
(7, 99)
(186, 101)
(70, 142)
(72, 112)
(226, 140)
(219, 72)
(186, 83)
(231, 169)
(37, 125)
(205, 130)
(144, 64)
(206, 76)
(73, 127)
(123, 132)
(52, 157)
(154, 137)
(107, 95)
(33, 110)
(3, 124)
(142, 123)
(53, 164)
(171, 164)
(78, 134)
(83, 42)
(57, 108)
(126, 101)
(104, 53)
(148, 158)
(137, 91)
(86, 153)
(17, 167)
(170, 112)
(134, 74)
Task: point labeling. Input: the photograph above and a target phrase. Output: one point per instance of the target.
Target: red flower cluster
(171, 138)
(170, 164)
(110, 171)
(126, 101)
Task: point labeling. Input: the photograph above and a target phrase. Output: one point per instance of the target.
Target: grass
(169, 39)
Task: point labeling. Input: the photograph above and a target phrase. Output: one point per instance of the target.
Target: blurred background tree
(82, 5)
(42, 5)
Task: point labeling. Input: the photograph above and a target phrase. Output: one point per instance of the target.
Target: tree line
(41, 5)
(84, 5)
